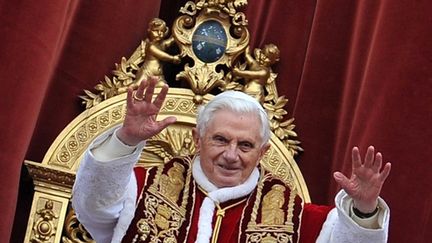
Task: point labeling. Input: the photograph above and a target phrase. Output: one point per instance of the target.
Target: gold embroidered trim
(163, 214)
(275, 223)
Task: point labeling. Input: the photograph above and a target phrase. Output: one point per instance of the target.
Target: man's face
(230, 148)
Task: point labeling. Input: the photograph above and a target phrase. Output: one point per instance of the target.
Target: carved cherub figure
(258, 70)
(47, 213)
(155, 52)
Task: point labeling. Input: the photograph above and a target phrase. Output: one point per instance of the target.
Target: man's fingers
(369, 158)
(129, 97)
(356, 160)
(377, 163)
(166, 122)
(150, 90)
(140, 91)
(342, 180)
(385, 172)
(161, 97)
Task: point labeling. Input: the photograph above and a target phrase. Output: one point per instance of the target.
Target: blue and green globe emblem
(209, 41)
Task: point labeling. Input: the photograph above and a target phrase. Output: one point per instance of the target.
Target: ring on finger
(135, 97)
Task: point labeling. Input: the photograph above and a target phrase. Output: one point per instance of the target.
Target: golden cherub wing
(271, 88)
(138, 56)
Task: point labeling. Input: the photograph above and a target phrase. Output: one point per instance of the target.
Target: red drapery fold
(51, 51)
(355, 73)
(27, 61)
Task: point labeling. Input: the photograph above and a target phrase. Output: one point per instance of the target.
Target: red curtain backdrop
(355, 73)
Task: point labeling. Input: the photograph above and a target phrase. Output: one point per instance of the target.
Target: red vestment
(233, 223)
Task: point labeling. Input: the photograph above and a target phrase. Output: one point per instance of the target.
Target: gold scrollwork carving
(229, 7)
(82, 133)
(116, 114)
(272, 161)
(64, 155)
(92, 126)
(202, 79)
(180, 105)
(72, 145)
(104, 121)
(189, 8)
(74, 230)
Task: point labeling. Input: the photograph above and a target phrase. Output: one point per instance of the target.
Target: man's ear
(264, 149)
(196, 138)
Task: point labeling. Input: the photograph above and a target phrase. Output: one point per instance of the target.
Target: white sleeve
(104, 188)
(341, 227)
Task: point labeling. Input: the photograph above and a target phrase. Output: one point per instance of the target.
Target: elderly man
(214, 195)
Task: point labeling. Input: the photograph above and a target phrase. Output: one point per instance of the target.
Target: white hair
(235, 101)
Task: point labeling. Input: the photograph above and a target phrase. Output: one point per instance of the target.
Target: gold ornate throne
(209, 44)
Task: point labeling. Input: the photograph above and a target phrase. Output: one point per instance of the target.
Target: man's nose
(231, 153)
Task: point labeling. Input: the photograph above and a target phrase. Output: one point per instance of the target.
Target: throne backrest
(209, 42)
